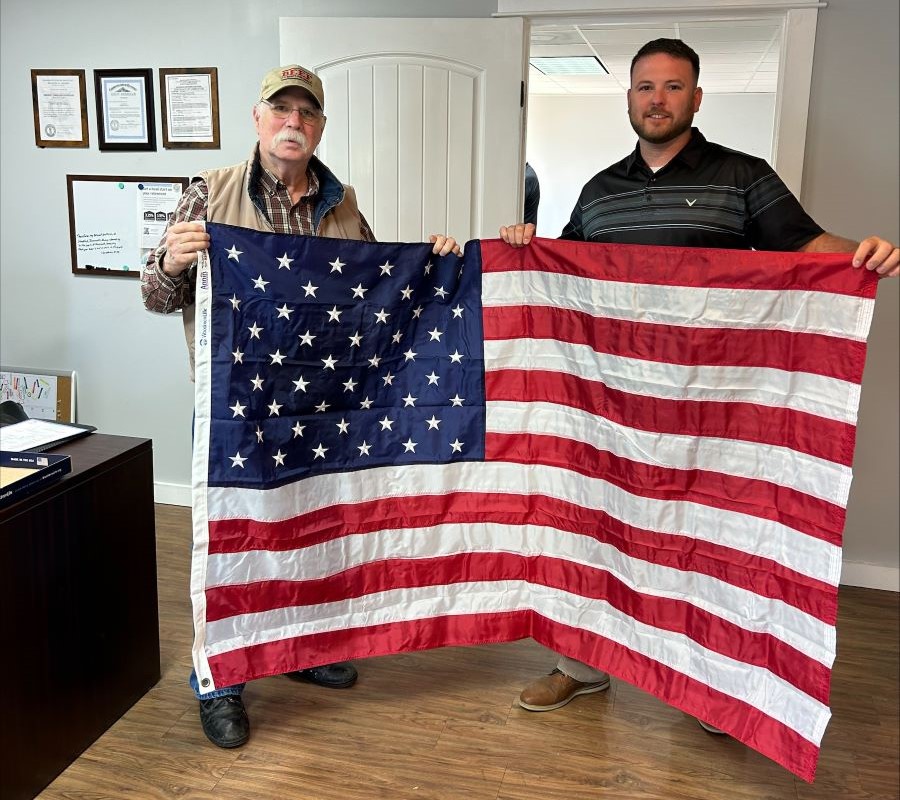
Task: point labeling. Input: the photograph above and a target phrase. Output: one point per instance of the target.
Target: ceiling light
(569, 65)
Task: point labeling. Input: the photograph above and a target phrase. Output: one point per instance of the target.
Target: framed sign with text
(189, 102)
(60, 107)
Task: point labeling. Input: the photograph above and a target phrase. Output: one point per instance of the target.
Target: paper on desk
(32, 434)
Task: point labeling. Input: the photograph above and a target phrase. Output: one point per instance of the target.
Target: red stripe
(685, 266)
(744, 722)
(830, 356)
(762, 576)
(783, 427)
(756, 498)
(678, 616)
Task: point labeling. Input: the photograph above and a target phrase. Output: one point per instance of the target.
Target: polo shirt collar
(690, 155)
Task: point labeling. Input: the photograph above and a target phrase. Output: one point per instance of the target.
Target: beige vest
(229, 203)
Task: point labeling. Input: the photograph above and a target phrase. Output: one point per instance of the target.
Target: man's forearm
(829, 243)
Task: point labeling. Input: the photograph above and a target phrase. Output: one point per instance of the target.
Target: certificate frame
(173, 139)
(45, 132)
(118, 93)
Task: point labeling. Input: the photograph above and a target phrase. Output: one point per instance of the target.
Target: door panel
(423, 118)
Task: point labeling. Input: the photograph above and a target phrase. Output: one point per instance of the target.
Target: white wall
(850, 186)
(131, 364)
(572, 137)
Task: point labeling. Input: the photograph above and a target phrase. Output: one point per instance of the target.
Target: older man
(282, 188)
(677, 188)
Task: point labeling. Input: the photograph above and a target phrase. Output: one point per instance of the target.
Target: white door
(424, 118)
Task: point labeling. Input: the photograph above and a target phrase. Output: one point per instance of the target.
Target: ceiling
(735, 56)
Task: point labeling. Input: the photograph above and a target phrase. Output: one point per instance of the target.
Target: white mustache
(289, 135)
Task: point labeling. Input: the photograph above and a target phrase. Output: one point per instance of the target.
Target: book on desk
(22, 474)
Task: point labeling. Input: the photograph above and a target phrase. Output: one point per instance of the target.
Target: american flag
(640, 457)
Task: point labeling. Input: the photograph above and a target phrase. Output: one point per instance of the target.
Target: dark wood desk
(78, 607)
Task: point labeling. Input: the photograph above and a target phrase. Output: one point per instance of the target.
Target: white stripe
(739, 606)
(801, 391)
(793, 469)
(764, 538)
(753, 685)
(798, 311)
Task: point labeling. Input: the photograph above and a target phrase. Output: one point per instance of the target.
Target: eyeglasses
(311, 116)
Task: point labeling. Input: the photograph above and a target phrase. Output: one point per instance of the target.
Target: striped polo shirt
(706, 196)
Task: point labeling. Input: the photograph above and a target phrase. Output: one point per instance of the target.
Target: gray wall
(850, 187)
(131, 364)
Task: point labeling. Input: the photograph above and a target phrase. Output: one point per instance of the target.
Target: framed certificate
(125, 119)
(60, 107)
(189, 101)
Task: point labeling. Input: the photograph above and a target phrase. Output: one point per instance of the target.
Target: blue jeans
(225, 691)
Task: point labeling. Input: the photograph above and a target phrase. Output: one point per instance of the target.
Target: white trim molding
(870, 576)
(172, 494)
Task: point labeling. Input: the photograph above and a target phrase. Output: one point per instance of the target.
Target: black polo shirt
(706, 196)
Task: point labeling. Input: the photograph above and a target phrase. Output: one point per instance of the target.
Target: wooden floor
(444, 725)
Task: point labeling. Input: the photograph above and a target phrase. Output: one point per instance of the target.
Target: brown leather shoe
(555, 690)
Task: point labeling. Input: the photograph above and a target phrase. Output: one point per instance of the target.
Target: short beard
(659, 138)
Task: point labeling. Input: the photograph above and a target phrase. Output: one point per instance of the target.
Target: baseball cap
(292, 75)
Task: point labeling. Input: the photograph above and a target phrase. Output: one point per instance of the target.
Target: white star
(328, 362)
(435, 335)
(277, 358)
(234, 253)
(285, 262)
(441, 292)
(275, 408)
(306, 338)
(350, 385)
(434, 423)
(409, 400)
(298, 429)
(382, 316)
(456, 357)
(409, 446)
(259, 283)
(355, 340)
(386, 268)
(428, 268)
(388, 379)
(456, 400)
(320, 451)
(234, 302)
(343, 425)
(359, 291)
(410, 355)
(457, 312)
(417, 311)
(238, 356)
(457, 446)
(322, 407)
(406, 293)
(397, 337)
(255, 331)
(284, 311)
(309, 289)
(257, 383)
(337, 266)
(238, 409)
(334, 315)
(300, 384)
(237, 460)
(259, 434)
(386, 423)
(364, 448)
(374, 361)
(433, 378)
(279, 458)
(366, 404)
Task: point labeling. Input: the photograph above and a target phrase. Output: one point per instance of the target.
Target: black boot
(335, 676)
(225, 721)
